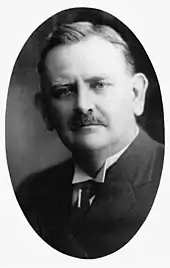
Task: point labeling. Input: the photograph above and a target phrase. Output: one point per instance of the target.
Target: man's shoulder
(146, 147)
(142, 162)
(47, 181)
(151, 147)
(53, 172)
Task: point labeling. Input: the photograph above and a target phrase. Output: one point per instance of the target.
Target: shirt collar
(81, 176)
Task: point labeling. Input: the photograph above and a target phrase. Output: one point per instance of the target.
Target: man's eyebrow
(96, 78)
(62, 82)
(93, 79)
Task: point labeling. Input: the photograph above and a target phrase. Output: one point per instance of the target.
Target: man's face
(91, 95)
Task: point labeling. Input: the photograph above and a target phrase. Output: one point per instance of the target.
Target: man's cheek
(62, 120)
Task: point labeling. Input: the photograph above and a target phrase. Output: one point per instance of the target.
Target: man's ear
(42, 105)
(140, 85)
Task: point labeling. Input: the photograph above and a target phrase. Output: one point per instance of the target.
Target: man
(91, 95)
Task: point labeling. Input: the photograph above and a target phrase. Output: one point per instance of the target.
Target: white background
(19, 245)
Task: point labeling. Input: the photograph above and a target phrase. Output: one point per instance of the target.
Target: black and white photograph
(84, 133)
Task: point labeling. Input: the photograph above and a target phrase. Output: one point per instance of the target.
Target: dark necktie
(84, 192)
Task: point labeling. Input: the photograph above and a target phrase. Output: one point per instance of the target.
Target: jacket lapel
(115, 197)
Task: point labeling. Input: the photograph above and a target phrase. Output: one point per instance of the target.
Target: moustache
(80, 119)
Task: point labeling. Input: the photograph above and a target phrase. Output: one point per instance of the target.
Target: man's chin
(90, 142)
(85, 138)
(86, 147)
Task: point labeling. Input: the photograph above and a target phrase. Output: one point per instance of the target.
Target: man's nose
(84, 99)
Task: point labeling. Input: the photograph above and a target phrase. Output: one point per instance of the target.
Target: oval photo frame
(123, 200)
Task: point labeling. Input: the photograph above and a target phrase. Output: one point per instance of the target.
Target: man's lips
(84, 126)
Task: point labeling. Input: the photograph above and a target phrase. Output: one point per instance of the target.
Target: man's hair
(72, 33)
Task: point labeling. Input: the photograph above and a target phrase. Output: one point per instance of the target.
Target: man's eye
(99, 85)
(62, 91)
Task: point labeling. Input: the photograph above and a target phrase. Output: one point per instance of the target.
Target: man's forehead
(92, 46)
(94, 56)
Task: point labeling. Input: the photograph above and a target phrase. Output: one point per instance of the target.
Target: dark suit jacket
(118, 211)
